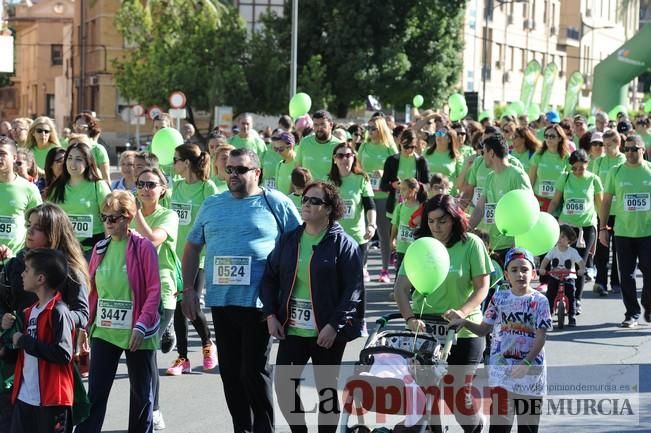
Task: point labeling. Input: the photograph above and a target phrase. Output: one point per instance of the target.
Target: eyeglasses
(175, 159)
(111, 218)
(597, 143)
(42, 131)
(238, 169)
(146, 184)
(632, 148)
(441, 133)
(460, 132)
(344, 155)
(314, 201)
(81, 126)
(408, 146)
(551, 136)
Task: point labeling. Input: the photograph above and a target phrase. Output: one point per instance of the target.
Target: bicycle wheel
(560, 311)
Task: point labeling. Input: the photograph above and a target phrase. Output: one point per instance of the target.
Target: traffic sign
(177, 99)
(154, 111)
(178, 113)
(137, 110)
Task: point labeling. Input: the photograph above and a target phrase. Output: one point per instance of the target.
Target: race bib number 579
(231, 271)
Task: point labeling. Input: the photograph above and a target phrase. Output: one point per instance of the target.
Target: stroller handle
(382, 321)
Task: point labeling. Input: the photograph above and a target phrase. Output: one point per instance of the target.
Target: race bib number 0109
(546, 188)
(7, 227)
(82, 225)
(184, 211)
(301, 314)
(114, 314)
(637, 202)
(489, 213)
(575, 206)
(231, 271)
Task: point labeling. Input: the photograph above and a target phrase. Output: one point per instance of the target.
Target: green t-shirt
(578, 199)
(296, 199)
(301, 315)
(99, 153)
(549, 167)
(466, 151)
(254, 143)
(524, 158)
(498, 184)
(114, 320)
(400, 221)
(167, 220)
(406, 167)
(284, 175)
(632, 188)
(479, 172)
(186, 200)
(601, 166)
(316, 156)
(372, 157)
(353, 188)
(468, 259)
(440, 162)
(16, 198)
(647, 140)
(221, 185)
(269, 165)
(41, 154)
(82, 203)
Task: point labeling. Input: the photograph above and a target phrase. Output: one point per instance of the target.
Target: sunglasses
(632, 148)
(278, 149)
(597, 143)
(344, 155)
(238, 169)
(441, 133)
(175, 159)
(146, 184)
(551, 136)
(314, 201)
(460, 132)
(408, 146)
(111, 218)
(42, 131)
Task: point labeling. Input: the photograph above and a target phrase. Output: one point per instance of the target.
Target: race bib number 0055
(232, 271)
(637, 202)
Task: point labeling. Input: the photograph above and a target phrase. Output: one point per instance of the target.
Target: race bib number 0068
(232, 271)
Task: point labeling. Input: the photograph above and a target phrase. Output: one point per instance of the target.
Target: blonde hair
(127, 154)
(385, 133)
(122, 202)
(223, 148)
(39, 121)
(80, 138)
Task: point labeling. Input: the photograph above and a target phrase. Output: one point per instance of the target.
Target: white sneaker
(159, 422)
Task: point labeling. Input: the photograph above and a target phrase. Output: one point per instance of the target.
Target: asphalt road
(610, 366)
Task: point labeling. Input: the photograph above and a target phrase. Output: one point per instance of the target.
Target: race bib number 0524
(231, 271)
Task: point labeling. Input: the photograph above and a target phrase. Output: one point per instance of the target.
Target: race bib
(114, 314)
(270, 183)
(489, 213)
(301, 314)
(184, 211)
(231, 271)
(476, 195)
(405, 234)
(82, 225)
(375, 182)
(546, 188)
(7, 227)
(440, 331)
(349, 205)
(636, 202)
(575, 206)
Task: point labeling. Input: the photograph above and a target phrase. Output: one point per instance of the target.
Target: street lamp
(293, 63)
(488, 10)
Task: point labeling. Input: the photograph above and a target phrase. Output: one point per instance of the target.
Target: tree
(393, 49)
(195, 46)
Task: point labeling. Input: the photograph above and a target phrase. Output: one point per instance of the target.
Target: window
(56, 54)
(251, 10)
(545, 5)
(49, 105)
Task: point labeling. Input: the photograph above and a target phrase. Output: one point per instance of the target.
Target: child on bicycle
(519, 320)
(563, 258)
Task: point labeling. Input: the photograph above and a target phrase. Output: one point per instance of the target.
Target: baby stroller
(398, 362)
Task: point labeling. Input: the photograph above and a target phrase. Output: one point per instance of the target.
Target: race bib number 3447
(114, 314)
(231, 271)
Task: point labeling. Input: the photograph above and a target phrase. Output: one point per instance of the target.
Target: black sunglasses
(42, 131)
(175, 159)
(408, 146)
(111, 218)
(314, 201)
(146, 184)
(597, 143)
(632, 148)
(238, 169)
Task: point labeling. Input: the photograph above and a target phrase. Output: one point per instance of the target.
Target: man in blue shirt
(239, 229)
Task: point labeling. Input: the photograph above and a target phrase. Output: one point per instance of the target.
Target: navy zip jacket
(336, 278)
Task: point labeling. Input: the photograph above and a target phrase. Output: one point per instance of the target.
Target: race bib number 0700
(82, 225)
(231, 271)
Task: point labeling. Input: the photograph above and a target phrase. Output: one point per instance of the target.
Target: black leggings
(589, 236)
(181, 323)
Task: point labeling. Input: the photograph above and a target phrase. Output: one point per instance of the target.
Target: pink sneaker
(209, 356)
(367, 276)
(180, 366)
(384, 276)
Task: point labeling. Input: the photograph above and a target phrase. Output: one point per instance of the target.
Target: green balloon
(533, 113)
(542, 237)
(509, 111)
(418, 101)
(299, 105)
(484, 115)
(458, 114)
(456, 101)
(516, 212)
(164, 143)
(647, 106)
(518, 107)
(612, 114)
(427, 263)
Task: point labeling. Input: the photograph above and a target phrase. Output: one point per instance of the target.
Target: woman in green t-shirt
(548, 164)
(355, 190)
(525, 145)
(79, 191)
(41, 137)
(464, 289)
(87, 125)
(580, 192)
(443, 154)
(283, 144)
(188, 194)
(219, 166)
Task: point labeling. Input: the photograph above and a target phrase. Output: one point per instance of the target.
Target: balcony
(569, 36)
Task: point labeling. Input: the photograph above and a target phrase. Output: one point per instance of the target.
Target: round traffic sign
(177, 99)
(137, 110)
(154, 111)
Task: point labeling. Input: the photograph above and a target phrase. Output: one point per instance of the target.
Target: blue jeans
(141, 366)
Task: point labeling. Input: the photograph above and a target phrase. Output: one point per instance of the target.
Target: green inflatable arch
(612, 75)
